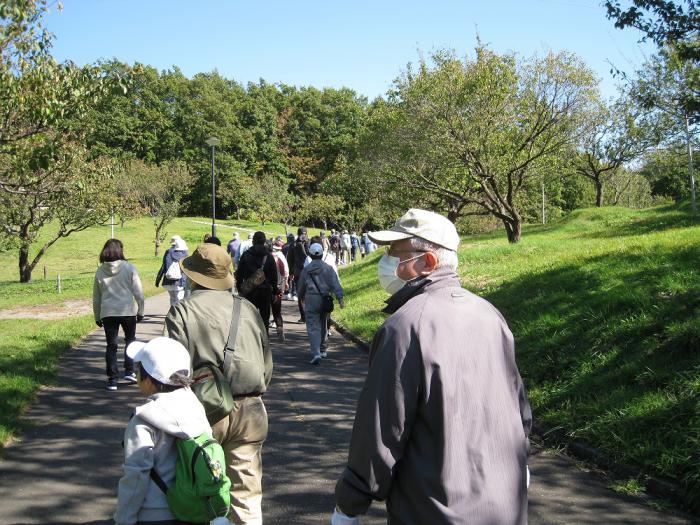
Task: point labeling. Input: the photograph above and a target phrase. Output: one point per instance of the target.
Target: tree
(667, 23)
(159, 191)
(63, 194)
(471, 134)
(671, 88)
(46, 176)
(667, 171)
(617, 134)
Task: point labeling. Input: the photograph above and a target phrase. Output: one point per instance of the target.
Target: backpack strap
(317, 286)
(159, 481)
(232, 334)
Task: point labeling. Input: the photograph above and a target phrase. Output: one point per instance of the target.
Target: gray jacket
(325, 275)
(149, 442)
(442, 422)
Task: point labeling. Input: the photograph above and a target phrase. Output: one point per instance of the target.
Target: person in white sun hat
(442, 422)
(171, 411)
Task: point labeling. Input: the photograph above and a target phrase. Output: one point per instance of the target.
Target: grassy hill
(605, 309)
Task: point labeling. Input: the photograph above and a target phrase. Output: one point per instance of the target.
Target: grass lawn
(605, 308)
(30, 348)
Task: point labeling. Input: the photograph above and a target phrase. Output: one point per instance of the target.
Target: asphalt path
(65, 466)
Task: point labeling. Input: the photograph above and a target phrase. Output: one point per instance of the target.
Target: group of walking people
(442, 422)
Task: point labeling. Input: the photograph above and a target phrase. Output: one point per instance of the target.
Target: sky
(362, 44)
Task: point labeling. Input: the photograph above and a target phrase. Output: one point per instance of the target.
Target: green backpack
(201, 491)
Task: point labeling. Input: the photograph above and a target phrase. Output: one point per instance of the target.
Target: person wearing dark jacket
(257, 256)
(295, 258)
(442, 422)
(174, 284)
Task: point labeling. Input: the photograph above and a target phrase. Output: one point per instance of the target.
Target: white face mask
(386, 270)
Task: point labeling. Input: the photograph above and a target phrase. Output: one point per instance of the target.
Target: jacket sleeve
(162, 270)
(137, 290)
(238, 274)
(301, 284)
(385, 415)
(175, 327)
(138, 461)
(272, 274)
(96, 299)
(332, 277)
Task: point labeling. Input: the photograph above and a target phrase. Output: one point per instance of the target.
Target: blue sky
(359, 44)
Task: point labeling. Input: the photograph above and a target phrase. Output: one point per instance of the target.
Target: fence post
(58, 283)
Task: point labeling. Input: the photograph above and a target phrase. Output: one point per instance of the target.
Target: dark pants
(111, 327)
(262, 297)
(300, 303)
(276, 307)
(353, 252)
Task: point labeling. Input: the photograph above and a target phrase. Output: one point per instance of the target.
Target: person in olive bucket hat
(201, 323)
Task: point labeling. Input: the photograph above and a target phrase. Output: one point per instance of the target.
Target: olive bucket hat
(209, 267)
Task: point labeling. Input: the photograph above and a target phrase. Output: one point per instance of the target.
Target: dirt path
(49, 311)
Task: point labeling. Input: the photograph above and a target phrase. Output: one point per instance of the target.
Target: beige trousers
(241, 435)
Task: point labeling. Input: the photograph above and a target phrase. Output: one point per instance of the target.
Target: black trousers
(262, 297)
(111, 326)
(276, 307)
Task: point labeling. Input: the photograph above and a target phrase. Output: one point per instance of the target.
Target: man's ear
(431, 262)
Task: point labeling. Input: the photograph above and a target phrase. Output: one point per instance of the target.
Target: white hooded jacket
(149, 442)
(116, 285)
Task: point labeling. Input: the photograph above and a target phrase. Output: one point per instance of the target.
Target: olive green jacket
(202, 322)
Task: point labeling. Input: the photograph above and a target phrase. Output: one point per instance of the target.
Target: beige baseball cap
(425, 224)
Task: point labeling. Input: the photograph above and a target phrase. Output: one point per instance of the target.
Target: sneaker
(315, 360)
(111, 384)
(301, 320)
(131, 378)
(295, 298)
(324, 354)
(288, 297)
(280, 335)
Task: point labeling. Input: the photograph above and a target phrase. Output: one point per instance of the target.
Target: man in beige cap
(202, 323)
(442, 422)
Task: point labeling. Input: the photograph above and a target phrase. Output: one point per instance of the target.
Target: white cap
(174, 239)
(425, 224)
(180, 244)
(316, 249)
(161, 357)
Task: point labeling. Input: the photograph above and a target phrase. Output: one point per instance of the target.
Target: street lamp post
(212, 142)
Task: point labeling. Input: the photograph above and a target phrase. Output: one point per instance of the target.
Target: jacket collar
(440, 278)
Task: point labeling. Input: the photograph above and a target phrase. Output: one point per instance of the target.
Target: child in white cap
(172, 411)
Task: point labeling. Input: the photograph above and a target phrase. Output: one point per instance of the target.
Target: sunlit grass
(605, 308)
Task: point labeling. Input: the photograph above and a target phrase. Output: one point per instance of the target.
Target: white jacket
(116, 285)
(149, 442)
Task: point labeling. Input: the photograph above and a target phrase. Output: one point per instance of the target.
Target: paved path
(65, 468)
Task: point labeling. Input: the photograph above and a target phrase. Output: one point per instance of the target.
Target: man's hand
(99, 323)
(338, 518)
(139, 318)
(341, 303)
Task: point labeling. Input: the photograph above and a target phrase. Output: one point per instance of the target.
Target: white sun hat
(425, 224)
(161, 357)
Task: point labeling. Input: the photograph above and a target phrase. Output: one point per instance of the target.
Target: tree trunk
(453, 215)
(25, 269)
(598, 193)
(513, 229)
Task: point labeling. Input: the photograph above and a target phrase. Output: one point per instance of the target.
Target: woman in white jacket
(117, 300)
(172, 411)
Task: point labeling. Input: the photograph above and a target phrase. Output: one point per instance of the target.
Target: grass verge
(29, 354)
